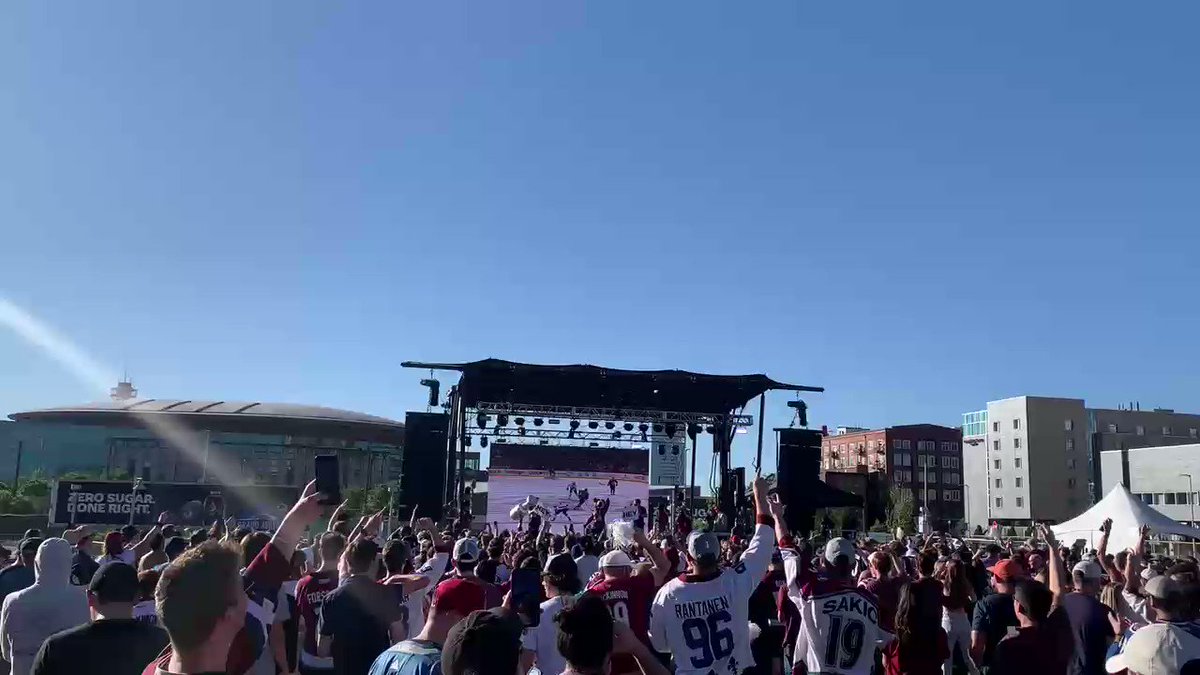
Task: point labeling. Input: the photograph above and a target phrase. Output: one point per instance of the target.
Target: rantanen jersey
(703, 622)
(840, 622)
(628, 600)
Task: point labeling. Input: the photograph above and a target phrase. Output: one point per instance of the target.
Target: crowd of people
(423, 600)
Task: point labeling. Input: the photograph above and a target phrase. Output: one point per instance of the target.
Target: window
(1181, 497)
(1112, 428)
(927, 446)
(900, 476)
(1166, 431)
(1070, 463)
(952, 479)
(932, 494)
(1070, 482)
(1068, 425)
(1017, 462)
(945, 446)
(1146, 498)
(907, 444)
(996, 426)
(1016, 442)
(1017, 482)
(996, 462)
(1070, 445)
(1140, 430)
(1170, 498)
(953, 462)
(1016, 424)
(1020, 502)
(1193, 432)
(999, 483)
(999, 502)
(896, 444)
(995, 445)
(945, 462)
(952, 495)
(1158, 498)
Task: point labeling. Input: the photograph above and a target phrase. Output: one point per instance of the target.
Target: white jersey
(839, 627)
(704, 624)
(433, 569)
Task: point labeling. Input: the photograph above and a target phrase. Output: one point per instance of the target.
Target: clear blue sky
(920, 206)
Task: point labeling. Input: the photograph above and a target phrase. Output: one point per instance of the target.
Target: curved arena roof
(232, 416)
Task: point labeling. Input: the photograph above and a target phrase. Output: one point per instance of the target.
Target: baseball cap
(1157, 649)
(615, 559)
(115, 582)
(1008, 570)
(1161, 587)
(461, 596)
(1090, 569)
(701, 544)
(30, 544)
(466, 550)
(839, 546)
(484, 642)
(562, 566)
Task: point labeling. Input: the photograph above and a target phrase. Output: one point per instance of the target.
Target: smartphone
(329, 482)
(527, 595)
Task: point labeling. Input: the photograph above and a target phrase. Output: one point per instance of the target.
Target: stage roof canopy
(584, 386)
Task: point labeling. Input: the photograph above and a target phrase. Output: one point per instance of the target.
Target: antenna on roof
(124, 391)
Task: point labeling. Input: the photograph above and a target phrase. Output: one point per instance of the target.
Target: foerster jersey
(703, 622)
(840, 622)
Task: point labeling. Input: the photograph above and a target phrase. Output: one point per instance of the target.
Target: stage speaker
(798, 470)
(423, 465)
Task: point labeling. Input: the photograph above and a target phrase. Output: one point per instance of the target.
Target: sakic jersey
(840, 622)
(704, 623)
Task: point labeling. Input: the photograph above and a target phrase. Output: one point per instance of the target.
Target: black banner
(191, 504)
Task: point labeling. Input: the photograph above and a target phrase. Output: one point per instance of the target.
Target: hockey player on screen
(582, 495)
(612, 486)
(572, 489)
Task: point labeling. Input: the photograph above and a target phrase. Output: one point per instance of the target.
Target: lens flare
(90, 372)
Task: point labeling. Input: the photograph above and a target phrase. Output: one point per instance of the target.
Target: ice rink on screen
(505, 491)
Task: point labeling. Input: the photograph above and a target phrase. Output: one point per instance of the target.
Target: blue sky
(920, 206)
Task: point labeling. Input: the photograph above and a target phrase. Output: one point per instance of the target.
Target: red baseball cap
(1008, 570)
(461, 596)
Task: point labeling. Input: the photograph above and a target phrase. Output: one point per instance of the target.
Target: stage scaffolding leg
(451, 446)
(762, 423)
(691, 496)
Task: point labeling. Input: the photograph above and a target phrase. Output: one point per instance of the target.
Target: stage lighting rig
(520, 421)
(593, 424)
(481, 420)
(483, 441)
(609, 425)
(670, 429)
(501, 420)
(537, 421)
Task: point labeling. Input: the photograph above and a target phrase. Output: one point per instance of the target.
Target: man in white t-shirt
(701, 617)
(560, 580)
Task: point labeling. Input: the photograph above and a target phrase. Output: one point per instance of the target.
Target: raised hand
(1106, 526)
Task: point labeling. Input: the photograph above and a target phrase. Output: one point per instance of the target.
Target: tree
(356, 500)
(376, 500)
(35, 487)
(901, 510)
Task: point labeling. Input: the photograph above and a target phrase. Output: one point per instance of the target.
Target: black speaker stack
(423, 466)
(798, 471)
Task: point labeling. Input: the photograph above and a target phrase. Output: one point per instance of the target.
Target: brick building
(915, 456)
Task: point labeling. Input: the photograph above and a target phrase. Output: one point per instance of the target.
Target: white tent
(1128, 513)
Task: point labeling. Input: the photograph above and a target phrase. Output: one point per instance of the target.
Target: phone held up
(526, 593)
(329, 483)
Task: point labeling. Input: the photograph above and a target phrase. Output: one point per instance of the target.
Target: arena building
(259, 443)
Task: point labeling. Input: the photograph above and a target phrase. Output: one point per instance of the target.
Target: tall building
(1165, 477)
(924, 458)
(1038, 458)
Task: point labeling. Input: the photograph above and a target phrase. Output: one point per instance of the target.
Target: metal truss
(615, 414)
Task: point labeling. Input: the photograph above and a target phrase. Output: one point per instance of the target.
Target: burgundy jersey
(628, 600)
(310, 595)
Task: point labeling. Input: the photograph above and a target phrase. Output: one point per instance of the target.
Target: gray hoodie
(50, 605)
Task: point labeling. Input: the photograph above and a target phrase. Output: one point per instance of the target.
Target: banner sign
(190, 504)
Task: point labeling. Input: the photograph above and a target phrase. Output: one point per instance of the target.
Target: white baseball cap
(615, 559)
(701, 544)
(1090, 569)
(839, 546)
(466, 550)
(1157, 649)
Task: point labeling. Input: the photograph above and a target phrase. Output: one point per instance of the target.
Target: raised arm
(1057, 573)
(304, 513)
(662, 566)
(757, 556)
(1133, 580)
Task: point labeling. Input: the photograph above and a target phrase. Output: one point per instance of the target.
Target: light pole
(1191, 503)
(138, 488)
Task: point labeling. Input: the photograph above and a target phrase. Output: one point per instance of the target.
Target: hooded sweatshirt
(50, 605)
